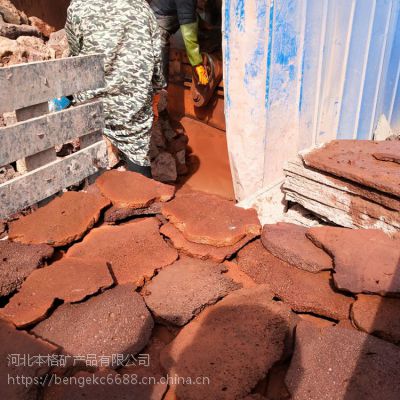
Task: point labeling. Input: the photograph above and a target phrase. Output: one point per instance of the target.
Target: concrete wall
(303, 72)
(53, 12)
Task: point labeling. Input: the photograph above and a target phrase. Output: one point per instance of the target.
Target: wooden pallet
(26, 89)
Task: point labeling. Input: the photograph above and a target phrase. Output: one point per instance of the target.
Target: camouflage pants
(132, 138)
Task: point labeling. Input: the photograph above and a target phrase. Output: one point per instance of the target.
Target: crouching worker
(127, 33)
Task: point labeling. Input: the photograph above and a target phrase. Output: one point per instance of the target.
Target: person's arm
(158, 81)
(72, 30)
(190, 33)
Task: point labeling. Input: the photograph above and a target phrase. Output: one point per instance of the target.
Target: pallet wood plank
(26, 190)
(36, 135)
(43, 157)
(41, 81)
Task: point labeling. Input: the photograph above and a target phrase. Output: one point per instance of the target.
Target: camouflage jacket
(127, 32)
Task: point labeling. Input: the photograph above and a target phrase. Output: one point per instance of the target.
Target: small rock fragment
(208, 219)
(202, 251)
(335, 364)
(115, 322)
(302, 290)
(232, 345)
(67, 218)
(134, 250)
(115, 214)
(182, 290)
(163, 168)
(70, 279)
(357, 253)
(378, 316)
(45, 29)
(17, 261)
(289, 243)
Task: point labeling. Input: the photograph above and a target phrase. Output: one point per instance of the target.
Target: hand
(156, 100)
(202, 75)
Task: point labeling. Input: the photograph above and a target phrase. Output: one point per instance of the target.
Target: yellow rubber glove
(202, 75)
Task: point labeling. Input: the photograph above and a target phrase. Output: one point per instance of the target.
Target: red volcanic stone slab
(378, 316)
(303, 291)
(61, 222)
(114, 322)
(202, 251)
(335, 363)
(70, 279)
(289, 243)
(208, 219)
(117, 386)
(15, 346)
(365, 260)
(233, 343)
(354, 160)
(135, 250)
(184, 289)
(17, 261)
(132, 190)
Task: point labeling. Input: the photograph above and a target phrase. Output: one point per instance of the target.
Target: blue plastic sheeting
(303, 72)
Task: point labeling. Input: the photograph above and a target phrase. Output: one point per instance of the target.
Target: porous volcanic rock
(289, 243)
(17, 261)
(44, 28)
(378, 316)
(202, 251)
(14, 346)
(233, 343)
(302, 290)
(61, 222)
(182, 290)
(357, 253)
(354, 160)
(335, 364)
(115, 214)
(114, 322)
(134, 250)
(70, 279)
(163, 168)
(132, 190)
(10, 13)
(208, 219)
(120, 386)
(388, 156)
